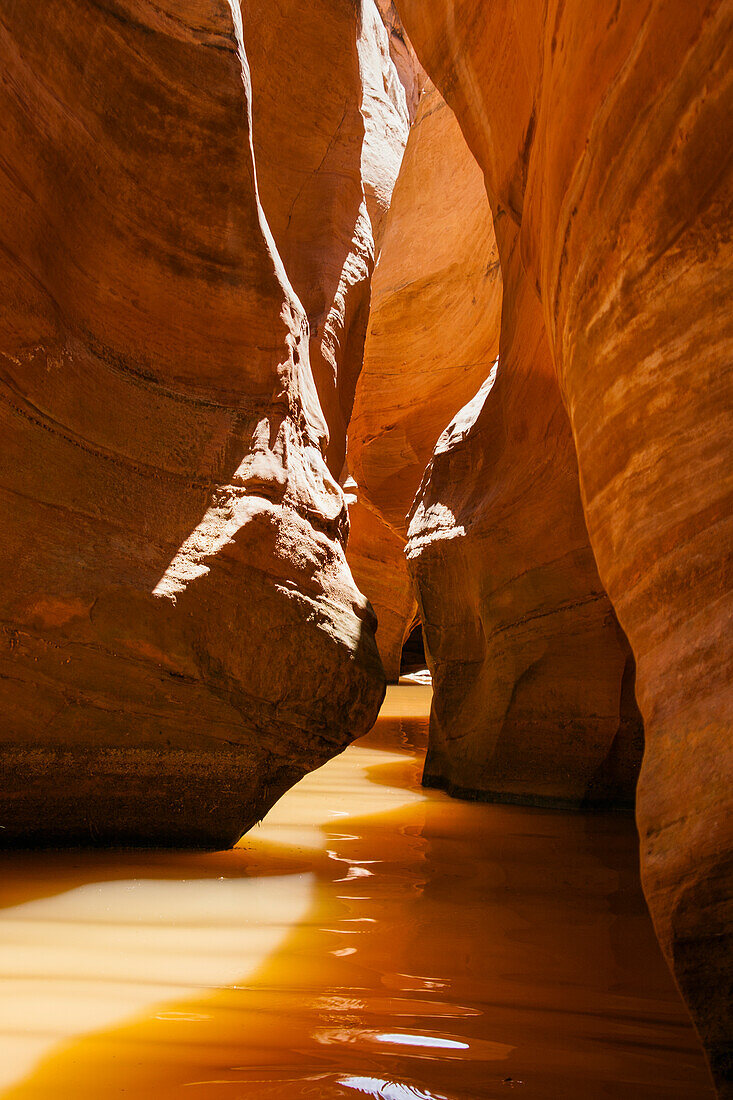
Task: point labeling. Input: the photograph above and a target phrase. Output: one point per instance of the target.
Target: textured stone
(438, 259)
(377, 560)
(326, 169)
(434, 323)
(603, 130)
(330, 126)
(181, 636)
(411, 73)
(533, 680)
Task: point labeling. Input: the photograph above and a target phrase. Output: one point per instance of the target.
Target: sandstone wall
(331, 123)
(439, 261)
(376, 556)
(330, 126)
(411, 73)
(603, 130)
(181, 636)
(533, 680)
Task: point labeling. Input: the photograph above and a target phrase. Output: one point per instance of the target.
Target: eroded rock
(376, 556)
(532, 677)
(603, 130)
(434, 322)
(330, 126)
(182, 636)
(438, 260)
(410, 71)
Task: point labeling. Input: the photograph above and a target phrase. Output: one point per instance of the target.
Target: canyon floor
(370, 938)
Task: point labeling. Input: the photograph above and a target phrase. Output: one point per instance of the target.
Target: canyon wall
(331, 123)
(533, 679)
(376, 556)
(181, 636)
(439, 260)
(603, 131)
(526, 653)
(411, 73)
(330, 126)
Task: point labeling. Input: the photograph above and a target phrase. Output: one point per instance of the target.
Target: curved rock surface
(533, 681)
(181, 635)
(603, 130)
(376, 556)
(330, 126)
(438, 261)
(411, 73)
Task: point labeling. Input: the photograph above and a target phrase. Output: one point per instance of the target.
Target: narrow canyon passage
(370, 938)
(343, 343)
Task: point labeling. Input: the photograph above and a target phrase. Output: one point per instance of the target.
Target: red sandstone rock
(410, 71)
(182, 638)
(603, 130)
(377, 561)
(438, 261)
(330, 124)
(533, 700)
(326, 166)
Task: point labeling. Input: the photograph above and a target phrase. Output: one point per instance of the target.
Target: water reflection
(387, 1090)
(370, 937)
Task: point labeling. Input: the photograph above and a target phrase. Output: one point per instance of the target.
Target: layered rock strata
(603, 131)
(182, 638)
(533, 680)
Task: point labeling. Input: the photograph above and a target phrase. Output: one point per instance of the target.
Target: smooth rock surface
(603, 130)
(181, 636)
(438, 259)
(434, 322)
(533, 680)
(330, 123)
(376, 556)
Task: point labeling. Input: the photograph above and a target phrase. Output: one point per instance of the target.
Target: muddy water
(369, 939)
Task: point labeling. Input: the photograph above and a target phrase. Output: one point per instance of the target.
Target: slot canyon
(367, 497)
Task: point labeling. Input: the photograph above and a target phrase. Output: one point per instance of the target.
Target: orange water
(370, 939)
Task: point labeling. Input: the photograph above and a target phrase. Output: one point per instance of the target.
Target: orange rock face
(326, 175)
(182, 638)
(376, 556)
(410, 71)
(438, 260)
(603, 130)
(533, 680)
(330, 124)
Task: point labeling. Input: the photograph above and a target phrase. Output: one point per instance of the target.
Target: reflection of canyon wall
(532, 699)
(603, 130)
(182, 636)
